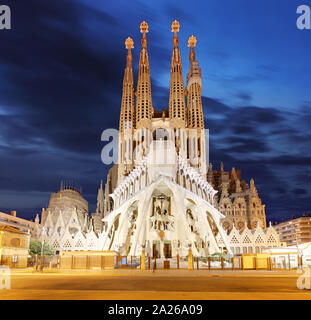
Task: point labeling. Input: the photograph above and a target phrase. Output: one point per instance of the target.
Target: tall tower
(144, 106)
(197, 143)
(127, 114)
(194, 89)
(177, 106)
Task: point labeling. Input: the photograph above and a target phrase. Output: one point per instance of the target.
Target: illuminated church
(159, 197)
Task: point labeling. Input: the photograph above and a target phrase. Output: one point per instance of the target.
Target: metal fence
(241, 262)
(40, 262)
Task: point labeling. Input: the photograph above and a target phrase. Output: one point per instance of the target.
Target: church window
(67, 244)
(259, 239)
(247, 240)
(55, 244)
(79, 244)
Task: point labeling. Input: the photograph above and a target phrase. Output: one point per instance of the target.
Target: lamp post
(298, 251)
(43, 233)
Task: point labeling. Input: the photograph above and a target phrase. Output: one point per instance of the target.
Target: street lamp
(298, 251)
(43, 233)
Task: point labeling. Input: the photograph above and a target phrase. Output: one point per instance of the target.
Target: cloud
(61, 72)
(244, 96)
(264, 143)
(300, 191)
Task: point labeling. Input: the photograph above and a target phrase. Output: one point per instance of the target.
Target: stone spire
(177, 108)
(194, 89)
(100, 199)
(127, 115)
(143, 95)
(127, 104)
(238, 188)
(233, 174)
(210, 174)
(252, 187)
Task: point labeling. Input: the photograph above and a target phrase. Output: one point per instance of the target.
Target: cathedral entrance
(167, 250)
(156, 249)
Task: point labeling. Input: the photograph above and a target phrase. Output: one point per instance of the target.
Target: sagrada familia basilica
(161, 196)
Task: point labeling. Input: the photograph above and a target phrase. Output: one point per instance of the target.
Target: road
(130, 284)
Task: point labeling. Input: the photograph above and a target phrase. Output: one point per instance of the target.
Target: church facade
(160, 197)
(161, 200)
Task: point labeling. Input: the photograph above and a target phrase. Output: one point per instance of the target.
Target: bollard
(143, 260)
(5, 278)
(190, 260)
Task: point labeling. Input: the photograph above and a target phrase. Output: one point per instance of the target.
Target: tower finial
(175, 28)
(129, 45)
(144, 28)
(192, 41)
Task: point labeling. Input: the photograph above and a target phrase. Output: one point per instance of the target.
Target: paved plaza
(162, 284)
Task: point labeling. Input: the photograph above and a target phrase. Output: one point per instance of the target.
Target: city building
(295, 231)
(290, 257)
(19, 223)
(14, 245)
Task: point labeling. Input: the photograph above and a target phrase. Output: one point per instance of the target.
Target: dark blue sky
(61, 69)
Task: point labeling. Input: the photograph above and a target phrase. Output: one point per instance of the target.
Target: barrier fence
(80, 260)
(75, 260)
(242, 262)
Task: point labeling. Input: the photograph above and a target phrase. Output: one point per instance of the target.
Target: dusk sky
(61, 73)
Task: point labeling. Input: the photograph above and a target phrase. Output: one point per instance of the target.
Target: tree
(35, 248)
